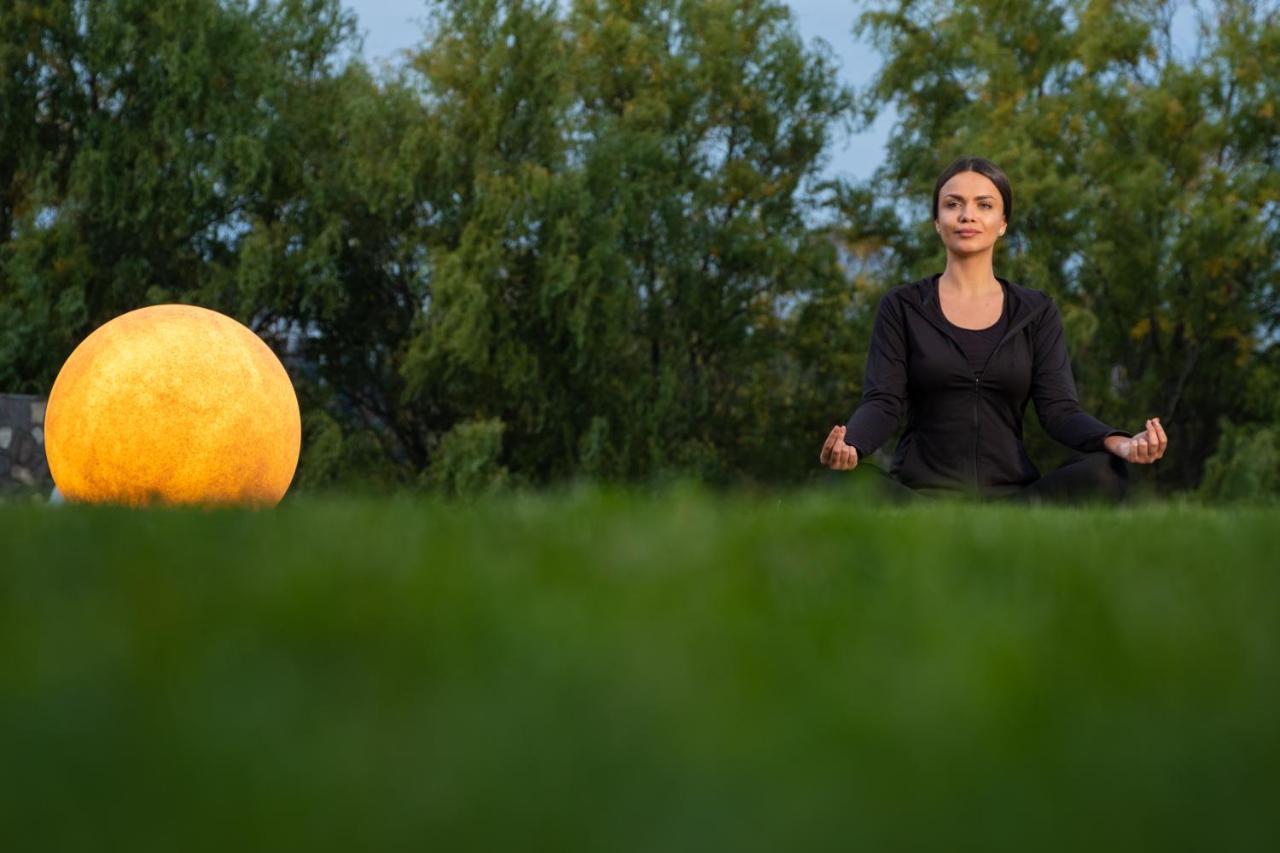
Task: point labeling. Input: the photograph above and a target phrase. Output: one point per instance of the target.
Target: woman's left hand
(1144, 448)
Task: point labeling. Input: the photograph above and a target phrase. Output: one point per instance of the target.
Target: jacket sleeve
(1054, 390)
(884, 386)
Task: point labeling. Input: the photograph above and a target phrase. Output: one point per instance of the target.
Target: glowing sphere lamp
(173, 404)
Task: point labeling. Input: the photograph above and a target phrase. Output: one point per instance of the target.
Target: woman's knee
(1088, 477)
(869, 483)
(1108, 472)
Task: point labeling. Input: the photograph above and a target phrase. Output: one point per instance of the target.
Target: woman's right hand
(837, 455)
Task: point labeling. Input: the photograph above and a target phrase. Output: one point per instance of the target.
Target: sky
(390, 26)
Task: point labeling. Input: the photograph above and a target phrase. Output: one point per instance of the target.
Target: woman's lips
(966, 233)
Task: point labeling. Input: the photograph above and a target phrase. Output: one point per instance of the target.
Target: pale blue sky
(390, 26)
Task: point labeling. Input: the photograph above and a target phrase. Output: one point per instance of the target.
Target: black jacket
(964, 430)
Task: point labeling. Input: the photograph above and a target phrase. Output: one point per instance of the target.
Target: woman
(961, 353)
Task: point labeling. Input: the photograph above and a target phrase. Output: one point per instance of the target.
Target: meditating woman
(960, 354)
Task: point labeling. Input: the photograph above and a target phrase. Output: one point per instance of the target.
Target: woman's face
(970, 213)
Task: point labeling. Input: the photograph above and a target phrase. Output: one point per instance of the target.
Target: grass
(614, 671)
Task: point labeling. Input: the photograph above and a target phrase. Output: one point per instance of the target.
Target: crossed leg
(873, 483)
(1098, 476)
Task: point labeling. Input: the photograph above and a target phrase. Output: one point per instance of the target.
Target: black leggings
(1099, 476)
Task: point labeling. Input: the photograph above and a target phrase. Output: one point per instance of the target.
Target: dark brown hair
(982, 166)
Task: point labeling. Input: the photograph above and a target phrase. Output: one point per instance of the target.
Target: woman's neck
(970, 277)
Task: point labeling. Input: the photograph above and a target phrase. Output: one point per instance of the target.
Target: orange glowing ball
(173, 404)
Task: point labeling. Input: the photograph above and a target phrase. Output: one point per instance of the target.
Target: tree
(610, 208)
(139, 142)
(565, 240)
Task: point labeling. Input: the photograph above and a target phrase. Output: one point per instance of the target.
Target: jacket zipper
(977, 394)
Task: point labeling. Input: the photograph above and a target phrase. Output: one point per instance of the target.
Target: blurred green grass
(607, 670)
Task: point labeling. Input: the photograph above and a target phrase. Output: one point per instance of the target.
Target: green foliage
(466, 462)
(586, 220)
(1246, 465)
(596, 670)
(335, 458)
(138, 142)
(628, 215)
(1146, 198)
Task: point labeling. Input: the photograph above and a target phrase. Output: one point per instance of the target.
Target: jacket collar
(1024, 305)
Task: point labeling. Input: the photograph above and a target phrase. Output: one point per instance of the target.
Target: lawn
(612, 670)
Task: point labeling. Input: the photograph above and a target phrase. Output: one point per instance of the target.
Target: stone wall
(23, 466)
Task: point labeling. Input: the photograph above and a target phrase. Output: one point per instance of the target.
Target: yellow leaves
(1245, 344)
(1267, 110)
(733, 196)
(1175, 115)
(1248, 72)
(776, 186)
(1080, 324)
(1142, 329)
(1050, 122)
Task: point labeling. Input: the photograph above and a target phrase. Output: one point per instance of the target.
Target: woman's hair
(982, 166)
